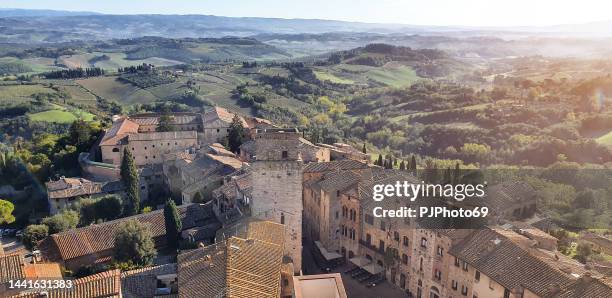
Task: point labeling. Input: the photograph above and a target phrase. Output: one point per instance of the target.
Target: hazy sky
(420, 12)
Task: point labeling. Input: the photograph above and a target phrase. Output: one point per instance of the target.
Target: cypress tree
(402, 166)
(129, 177)
(379, 162)
(413, 164)
(173, 224)
(235, 136)
(363, 149)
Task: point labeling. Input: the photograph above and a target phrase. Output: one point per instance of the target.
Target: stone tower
(277, 186)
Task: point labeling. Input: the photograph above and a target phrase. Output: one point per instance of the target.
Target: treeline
(74, 73)
(135, 69)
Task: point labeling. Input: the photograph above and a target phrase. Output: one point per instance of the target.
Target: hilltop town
(190, 155)
(283, 217)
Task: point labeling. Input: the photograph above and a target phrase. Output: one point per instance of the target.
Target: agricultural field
(60, 114)
(326, 76)
(109, 88)
(110, 61)
(392, 75)
(21, 93)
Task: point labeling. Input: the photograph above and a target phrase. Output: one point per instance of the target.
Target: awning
(327, 254)
(360, 261)
(373, 269)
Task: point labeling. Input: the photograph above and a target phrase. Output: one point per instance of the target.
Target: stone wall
(277, 196)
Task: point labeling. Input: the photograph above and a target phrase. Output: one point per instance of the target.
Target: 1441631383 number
(40, 284)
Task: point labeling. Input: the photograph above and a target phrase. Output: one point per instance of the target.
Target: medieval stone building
(277, 186)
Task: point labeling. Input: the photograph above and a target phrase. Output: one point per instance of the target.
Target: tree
(134, 243)
(235, 136)
(583, 251)
(62, 221)
(165, 123)
(108, 207)
(363, 149)
(413, 164)
(379, 162)
(173, 224)
(80, 133)
(129, 177)
(402, 166)
(34, 234)
(6, 212)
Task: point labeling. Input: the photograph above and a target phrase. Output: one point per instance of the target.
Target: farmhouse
(94, 244)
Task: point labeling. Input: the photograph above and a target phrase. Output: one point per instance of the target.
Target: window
(456, 262)
(369, 219)
(381, 246)
(464, 290)
(282, 218)
(285, 154)
(465, 266)
(405, 240)
(402, 280)
(117, 149)
(477, 276)
(454, 284)
(368, 239)
(438, 274)
(337, 214)
(404, 259)
(440, 251)
(421, 265)
(424, 242)
(337, 193)
(145, 147)
(396, 236)
(382, 225)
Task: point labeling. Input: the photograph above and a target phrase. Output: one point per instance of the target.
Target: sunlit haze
(432, 12)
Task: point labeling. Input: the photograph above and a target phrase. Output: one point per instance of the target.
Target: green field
(605, 139)
(22, 91)
(396, 76)
(111, 89)
(326, 76)
(61, 115)
(115, 61)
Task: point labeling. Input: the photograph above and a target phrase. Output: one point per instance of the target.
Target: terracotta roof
(339, 180)
(142, 283)
(12, 267)
(218, 113)
(153, 119)
(98, 238)
(236, 267)
(165, 135)
(585, 287)
(43, 271)
(102, 285)
(120, 129)
(503, 195)
(250, 228)
(317, 167)
(72, 187)
(507, 263)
